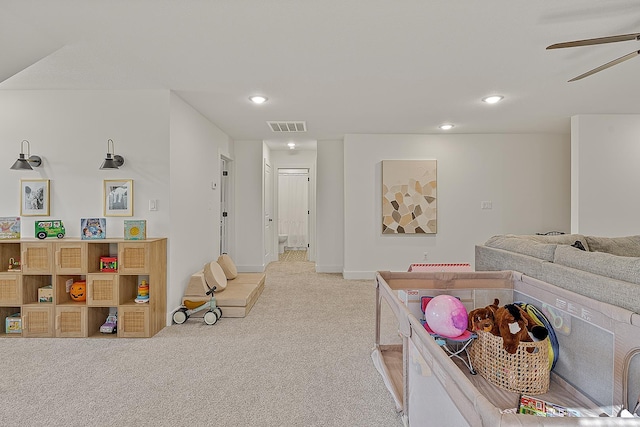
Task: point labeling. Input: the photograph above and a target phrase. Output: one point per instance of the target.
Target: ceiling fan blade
(599, 40)
(607, 65)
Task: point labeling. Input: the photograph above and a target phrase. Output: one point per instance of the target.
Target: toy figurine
(13, 265)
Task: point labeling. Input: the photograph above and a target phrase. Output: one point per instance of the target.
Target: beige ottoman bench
(235, 293)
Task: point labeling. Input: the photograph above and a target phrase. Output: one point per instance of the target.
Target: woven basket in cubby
(522, 372)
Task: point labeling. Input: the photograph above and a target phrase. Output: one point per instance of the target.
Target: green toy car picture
(52, 228)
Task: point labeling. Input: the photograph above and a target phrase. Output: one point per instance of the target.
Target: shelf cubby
(96, 318)
(30, 286)
(8, 251)
(61, 295)
(4, 313)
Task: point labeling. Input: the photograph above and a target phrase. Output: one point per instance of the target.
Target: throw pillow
(228, 266)
(214, 276)
(622, 246)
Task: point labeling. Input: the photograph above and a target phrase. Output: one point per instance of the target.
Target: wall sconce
(26, 162)
(112, 161)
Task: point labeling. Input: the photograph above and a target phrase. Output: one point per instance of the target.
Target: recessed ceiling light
(292, 145)
(493, 99)
(258, 99)
(446, 126)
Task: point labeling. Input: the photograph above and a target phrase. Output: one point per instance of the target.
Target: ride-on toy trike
(189, 307)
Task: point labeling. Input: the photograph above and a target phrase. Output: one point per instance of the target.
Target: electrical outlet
(424, 257)
(486, 204)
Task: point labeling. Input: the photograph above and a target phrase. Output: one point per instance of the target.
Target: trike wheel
(210, 317)
(180, 316)
(218, 311)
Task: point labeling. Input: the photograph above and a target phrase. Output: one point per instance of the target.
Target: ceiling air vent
(288, 126)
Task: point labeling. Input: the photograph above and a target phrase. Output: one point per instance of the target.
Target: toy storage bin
(523, 372)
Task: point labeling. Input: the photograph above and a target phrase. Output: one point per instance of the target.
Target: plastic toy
(447, 316)
(143, 292)
(78, 291)
(109, 264)
(190, 307)
(52, 228)
(110, 326)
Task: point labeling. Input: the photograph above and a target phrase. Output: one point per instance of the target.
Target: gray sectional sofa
(607, 270)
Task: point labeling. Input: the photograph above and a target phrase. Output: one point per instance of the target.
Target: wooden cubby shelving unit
(57, 262)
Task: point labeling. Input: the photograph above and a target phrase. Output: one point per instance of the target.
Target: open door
(268, 213)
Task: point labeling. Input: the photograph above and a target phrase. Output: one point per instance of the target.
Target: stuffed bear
(483, 319)
(516, 325)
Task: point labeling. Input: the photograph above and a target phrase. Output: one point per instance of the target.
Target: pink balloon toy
(446, 316)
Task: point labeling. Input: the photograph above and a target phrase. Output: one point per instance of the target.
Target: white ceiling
(343, 66)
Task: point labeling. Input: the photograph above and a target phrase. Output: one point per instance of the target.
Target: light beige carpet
(293, 256)
(300, 358)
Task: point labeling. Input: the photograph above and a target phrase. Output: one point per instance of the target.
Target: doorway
(293, 214)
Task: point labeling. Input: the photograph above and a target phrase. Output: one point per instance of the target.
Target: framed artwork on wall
(409, 197)
(34, 197)
(118, 197)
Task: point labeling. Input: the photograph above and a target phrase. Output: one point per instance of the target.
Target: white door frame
(311, 252)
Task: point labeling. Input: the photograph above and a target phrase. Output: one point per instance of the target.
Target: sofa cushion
(214, 275)
(228, 266)
(616, 267)
(623, 246)
(523, 246)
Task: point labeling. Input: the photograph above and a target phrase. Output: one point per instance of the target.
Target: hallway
(289, 256)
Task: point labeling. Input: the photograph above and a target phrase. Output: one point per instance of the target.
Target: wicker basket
(522, 372)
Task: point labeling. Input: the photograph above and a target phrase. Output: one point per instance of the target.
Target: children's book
(135, 229)
(10, 227)
(542, 408)
(93, 228)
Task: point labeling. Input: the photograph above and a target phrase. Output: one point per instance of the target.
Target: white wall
(69, 130)
(247, 211)
(330, 207)
(605, 151)
(526, 177)
(171, 152)
(305, 159)
(194, 238)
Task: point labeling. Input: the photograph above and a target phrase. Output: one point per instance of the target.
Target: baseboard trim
(359, 275)
(170, 316)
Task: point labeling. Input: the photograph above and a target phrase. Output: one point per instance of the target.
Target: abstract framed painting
(409, 197)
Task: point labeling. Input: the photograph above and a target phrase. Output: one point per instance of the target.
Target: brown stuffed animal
(483, 319)
(514, 325)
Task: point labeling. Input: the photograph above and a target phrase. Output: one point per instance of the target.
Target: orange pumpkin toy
(78, 291)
